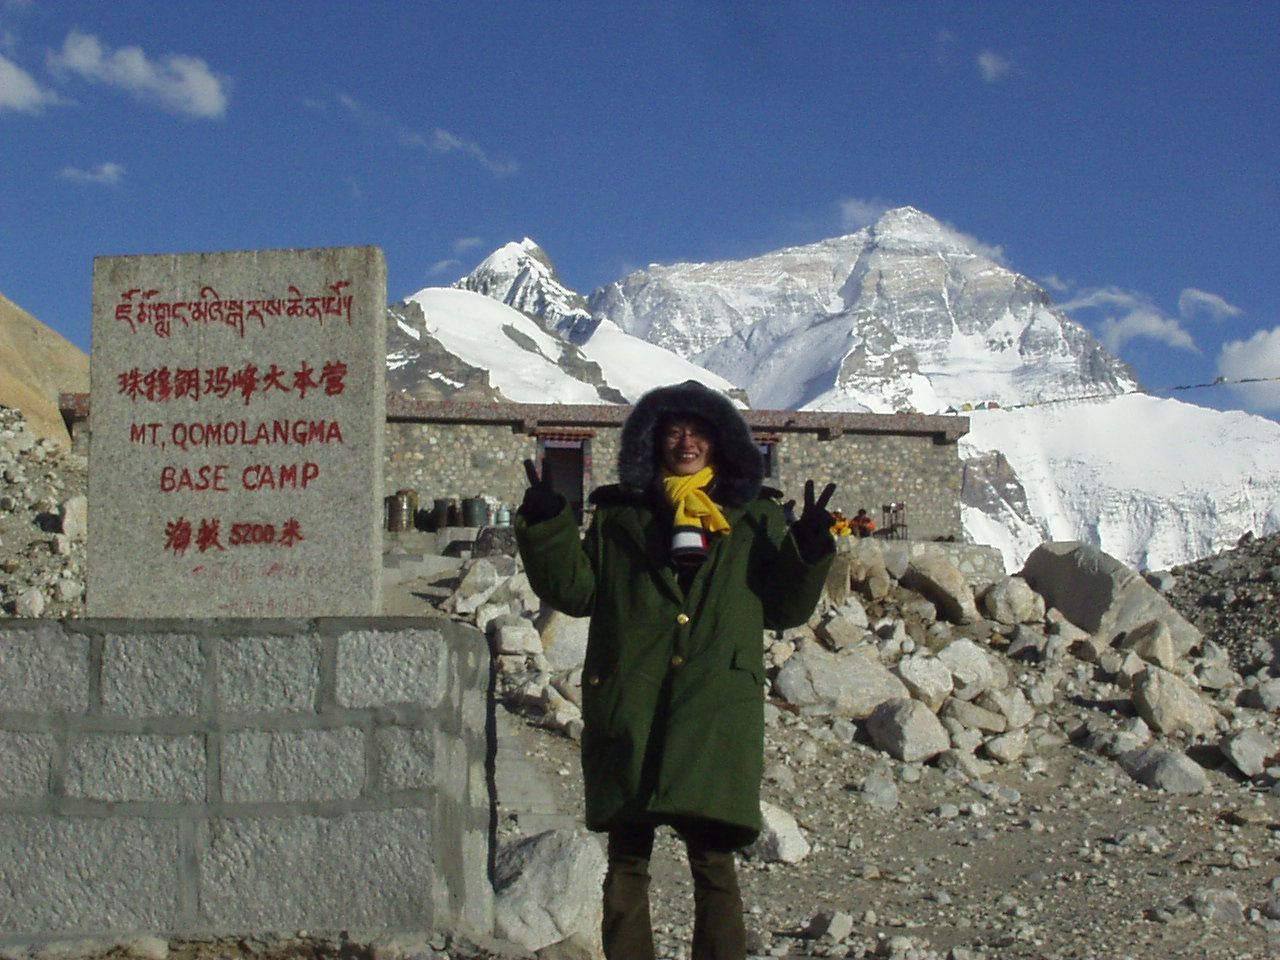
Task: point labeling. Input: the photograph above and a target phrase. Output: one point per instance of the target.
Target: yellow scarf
(693, 507)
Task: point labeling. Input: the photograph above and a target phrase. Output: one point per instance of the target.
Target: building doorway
(568, 461)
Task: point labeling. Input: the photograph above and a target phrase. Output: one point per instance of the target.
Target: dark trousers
(718, 929)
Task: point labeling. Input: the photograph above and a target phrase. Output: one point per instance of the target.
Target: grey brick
(369, 871)
(24, 760)
(300, 765)
(151, 676)
(124, 767)
(268, 674)
(408, 758)
(66, 874)
(43, 670)
(384, 668)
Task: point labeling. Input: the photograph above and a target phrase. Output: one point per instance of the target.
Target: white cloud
(1255, 358)
(108, 174)
(20, 92)
(993, 66)
(856, 213)
(1192, 302)
(1130, 316)
(944, 42)
(1115, 332)
(442, 141)
(990, 251)
(1056, 283)
(177, 82)
(463, 244)
(439, 142)
(443, 266)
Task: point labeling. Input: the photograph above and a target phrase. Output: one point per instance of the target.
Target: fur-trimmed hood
(738, 462)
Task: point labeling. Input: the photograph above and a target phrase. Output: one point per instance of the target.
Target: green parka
(673, 685)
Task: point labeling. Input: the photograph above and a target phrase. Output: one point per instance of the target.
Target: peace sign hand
(813, 530)
(541, 502)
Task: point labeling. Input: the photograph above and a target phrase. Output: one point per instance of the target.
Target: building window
(768, 450)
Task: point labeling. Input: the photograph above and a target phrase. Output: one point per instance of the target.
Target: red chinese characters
(205, 535)
(162, 384)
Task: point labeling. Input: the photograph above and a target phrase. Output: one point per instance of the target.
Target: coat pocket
(746, 672)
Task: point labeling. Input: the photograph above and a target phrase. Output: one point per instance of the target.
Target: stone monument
(236, 434)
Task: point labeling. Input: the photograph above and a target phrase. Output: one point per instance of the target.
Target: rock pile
(911, 661)
(990, 721)
(1233, 598)
(43, 515)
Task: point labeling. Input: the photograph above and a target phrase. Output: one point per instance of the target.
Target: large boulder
(1249, 750)
(1011, 601)
(1153, 642)
(926, 677)
(972, 673)
(780, 839)
(848, 684)
(1164, 769)
(564, 638)
(907, 730)
(548, 890)
(845, 628)
(934, 576)
(1170, 706)
(1100, 595)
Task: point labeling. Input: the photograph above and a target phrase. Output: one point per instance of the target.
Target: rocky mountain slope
(36, 364)
(498, 334)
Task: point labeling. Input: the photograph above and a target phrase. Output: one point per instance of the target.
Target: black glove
(813, 530)
(540, 501)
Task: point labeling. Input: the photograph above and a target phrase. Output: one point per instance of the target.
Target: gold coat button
(682, 618)
(593, 680)
(677, 661)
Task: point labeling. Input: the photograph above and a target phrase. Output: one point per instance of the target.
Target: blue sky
(1123, 154)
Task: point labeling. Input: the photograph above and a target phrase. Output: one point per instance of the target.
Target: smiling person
(683, 567)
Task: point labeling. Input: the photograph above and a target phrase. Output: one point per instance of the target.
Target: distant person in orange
(863, 525)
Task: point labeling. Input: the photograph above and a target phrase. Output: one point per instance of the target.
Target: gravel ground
(1075, 861)
(1059, 856)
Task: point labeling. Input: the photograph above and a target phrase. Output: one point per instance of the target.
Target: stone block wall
(458, 460)
(871, 470)
(241, 776)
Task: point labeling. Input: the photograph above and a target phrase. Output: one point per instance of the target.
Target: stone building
(449, 450)
(445, 450)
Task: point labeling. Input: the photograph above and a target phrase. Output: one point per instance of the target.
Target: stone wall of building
(238, 777)
(873, 470)
(460, 460)
(457, 460)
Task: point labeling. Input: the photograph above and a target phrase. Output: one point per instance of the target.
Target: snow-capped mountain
(1152, 481)
(523, 277)
(454, 343)
(905, 314)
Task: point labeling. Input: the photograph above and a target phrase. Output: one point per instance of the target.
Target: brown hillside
(36, 364)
